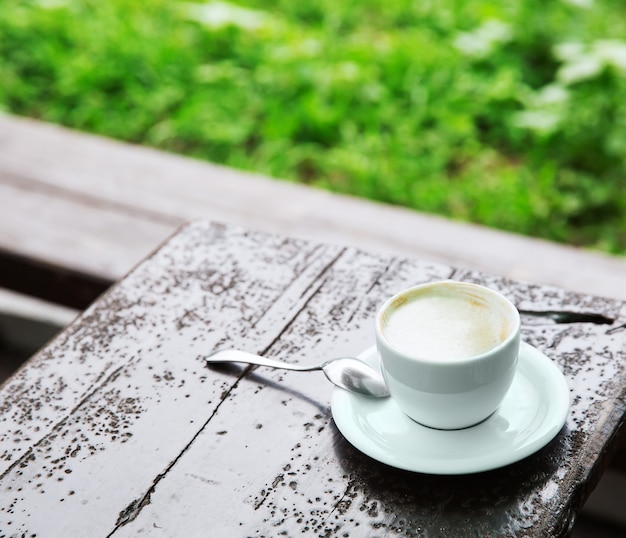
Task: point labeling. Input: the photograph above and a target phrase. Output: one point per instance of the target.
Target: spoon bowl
(348, 373)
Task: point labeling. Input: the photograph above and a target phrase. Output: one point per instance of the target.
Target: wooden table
(118, 427)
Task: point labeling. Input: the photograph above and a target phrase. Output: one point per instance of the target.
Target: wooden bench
(79, 211)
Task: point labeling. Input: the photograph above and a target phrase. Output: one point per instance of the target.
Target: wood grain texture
(119, 428)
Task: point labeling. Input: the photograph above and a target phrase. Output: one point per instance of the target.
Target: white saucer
(532, 413)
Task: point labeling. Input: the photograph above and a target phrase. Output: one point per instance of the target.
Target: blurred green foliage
(510, 114)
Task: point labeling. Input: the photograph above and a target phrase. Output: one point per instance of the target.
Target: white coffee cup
(448, 351)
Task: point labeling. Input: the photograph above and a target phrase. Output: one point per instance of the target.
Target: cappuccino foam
(444, 325)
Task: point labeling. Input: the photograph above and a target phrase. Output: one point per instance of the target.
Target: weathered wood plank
(75, 232)
(69, 249)
(150, 440)
(127, 369)
(147, 184)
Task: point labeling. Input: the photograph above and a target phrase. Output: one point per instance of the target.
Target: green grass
(509, 114)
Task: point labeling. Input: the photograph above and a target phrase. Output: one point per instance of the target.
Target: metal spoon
(345, 372)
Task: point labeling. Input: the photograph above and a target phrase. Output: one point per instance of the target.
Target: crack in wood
(565, 316)
(616, 329)
(305, 291)
(318, 278)
(264, 495)
(296, 276)
(132, 511)
(344, 501)
(374, 283)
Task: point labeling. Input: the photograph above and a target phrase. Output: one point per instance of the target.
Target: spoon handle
(234, 355)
